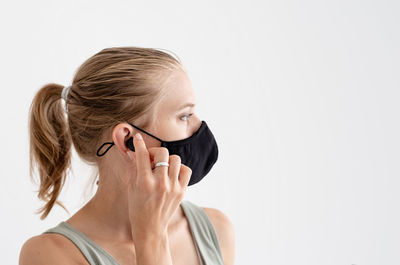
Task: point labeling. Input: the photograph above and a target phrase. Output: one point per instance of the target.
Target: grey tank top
(202, 230)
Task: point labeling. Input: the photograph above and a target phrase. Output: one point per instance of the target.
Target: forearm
(153, 250)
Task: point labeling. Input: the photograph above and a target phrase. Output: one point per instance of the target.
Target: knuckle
(181, 194)
(176, 189)
(163, 186)
(144, 153)
(147, 187)
(164, 151)
(142, 149)
(187, 169)
(175, 158)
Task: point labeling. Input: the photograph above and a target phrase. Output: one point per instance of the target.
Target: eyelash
(187, 116)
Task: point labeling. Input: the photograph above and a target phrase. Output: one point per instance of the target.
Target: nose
(197, 124)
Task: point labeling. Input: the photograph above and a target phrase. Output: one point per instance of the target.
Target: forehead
(178, 90)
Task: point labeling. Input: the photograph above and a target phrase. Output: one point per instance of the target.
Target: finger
(142, 155)
(184, 175)
(160, 154)
(174, 168)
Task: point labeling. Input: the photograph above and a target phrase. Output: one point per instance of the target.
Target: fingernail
(139, 136)
(130, 155)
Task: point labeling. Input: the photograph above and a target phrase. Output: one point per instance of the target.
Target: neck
(106, 214)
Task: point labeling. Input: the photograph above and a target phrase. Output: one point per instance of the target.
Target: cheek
(176, 130)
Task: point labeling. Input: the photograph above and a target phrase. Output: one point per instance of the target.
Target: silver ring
(161, 164)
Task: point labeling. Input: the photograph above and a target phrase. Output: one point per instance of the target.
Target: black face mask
(199, 151)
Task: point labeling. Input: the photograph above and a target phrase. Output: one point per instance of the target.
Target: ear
(120, 134)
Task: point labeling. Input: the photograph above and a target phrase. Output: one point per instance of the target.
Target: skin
(108, 217)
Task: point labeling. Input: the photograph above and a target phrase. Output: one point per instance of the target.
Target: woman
(139, 101)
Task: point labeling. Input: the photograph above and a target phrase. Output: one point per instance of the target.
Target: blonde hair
(119, 84)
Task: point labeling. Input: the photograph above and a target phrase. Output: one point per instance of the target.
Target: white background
(302, 97)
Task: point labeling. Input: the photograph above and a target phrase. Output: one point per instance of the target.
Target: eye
(186, 116)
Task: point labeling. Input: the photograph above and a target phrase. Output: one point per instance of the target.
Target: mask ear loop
(146, 132)
(110, 143)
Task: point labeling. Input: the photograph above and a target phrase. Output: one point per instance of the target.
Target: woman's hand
(154, 194)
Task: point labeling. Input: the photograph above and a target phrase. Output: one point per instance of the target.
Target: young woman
(130, 112)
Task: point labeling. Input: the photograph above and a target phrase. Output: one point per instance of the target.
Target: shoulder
(225, 232)
(46, 249)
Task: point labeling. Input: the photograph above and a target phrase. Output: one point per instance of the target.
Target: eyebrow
(189, 104)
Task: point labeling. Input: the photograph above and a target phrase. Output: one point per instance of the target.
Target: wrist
(141, 235)
(152, 249)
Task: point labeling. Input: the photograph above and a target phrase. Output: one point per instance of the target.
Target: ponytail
(50, 145)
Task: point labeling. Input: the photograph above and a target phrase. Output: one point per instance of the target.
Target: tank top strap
(204, 233)
(93, 253)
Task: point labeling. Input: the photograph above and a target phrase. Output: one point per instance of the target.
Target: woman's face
(174, 118)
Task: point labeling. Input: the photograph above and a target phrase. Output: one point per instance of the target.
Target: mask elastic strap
(110, 143)
(146, 132)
